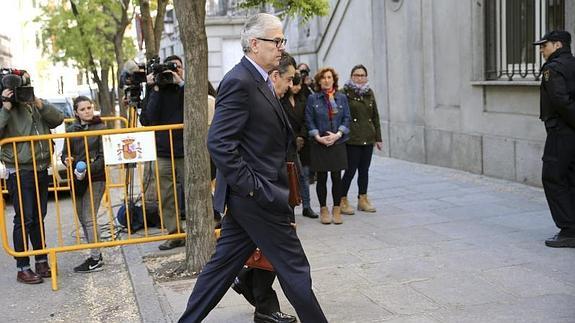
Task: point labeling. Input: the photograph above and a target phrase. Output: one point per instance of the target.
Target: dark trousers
(246, 225)
(558, 175)
(28, 223)
(358, 159)
(321, 187)
(260, 282)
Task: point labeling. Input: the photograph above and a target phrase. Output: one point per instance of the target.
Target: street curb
(151, 308)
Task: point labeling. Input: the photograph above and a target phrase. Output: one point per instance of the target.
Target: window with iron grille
(511, 26)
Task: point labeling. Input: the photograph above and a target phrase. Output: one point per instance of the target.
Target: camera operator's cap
(555, 35)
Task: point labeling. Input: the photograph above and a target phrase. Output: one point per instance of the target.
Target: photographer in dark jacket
(166, 106)
(558, 113)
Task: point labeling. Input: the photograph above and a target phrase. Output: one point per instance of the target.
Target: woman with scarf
(364, 134)
(327, 119)
(84, 193)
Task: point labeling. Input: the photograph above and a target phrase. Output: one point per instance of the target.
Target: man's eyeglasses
(278, 41)
(359, 75)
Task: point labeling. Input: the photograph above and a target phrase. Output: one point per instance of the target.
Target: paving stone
(399, 270)
(412, 319)
(467, 229)
(517, 221)
(410, 236)
(351, 306)
(422, 205)
(514, 279)
(548, 309)
(461, 289)
(400, 299)
(435, 187)
(472, 199)
(341, 277)
(468, 212)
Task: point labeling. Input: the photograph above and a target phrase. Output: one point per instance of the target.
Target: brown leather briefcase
(257, 260)
(293, 184)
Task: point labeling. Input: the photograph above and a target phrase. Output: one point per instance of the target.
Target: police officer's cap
(555, 35)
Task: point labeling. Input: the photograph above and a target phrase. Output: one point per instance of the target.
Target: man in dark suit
(254, 283)
(248, 141)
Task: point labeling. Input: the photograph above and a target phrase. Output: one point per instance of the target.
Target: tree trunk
(200, 240)
(121, 26)
(104, 94)
(159, 24)
(148, 29)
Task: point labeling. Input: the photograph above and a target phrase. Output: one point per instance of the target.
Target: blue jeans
(304, 184)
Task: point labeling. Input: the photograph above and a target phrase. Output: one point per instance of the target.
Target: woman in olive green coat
(364, 134)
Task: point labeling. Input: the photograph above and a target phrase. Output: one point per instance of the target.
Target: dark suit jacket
(248, 142)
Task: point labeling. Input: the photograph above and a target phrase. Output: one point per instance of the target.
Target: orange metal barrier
(117, 178)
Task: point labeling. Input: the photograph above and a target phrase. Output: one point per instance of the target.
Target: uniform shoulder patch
(546, 75)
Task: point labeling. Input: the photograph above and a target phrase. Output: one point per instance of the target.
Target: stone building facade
(457, 82)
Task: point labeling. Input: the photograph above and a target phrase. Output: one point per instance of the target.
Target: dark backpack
(136, 217)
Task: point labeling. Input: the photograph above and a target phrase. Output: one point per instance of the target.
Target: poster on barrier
(129, 148)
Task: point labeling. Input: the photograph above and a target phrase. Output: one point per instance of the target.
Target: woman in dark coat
(294, 105)
(327, 119)
(84, 192)
(364, 134)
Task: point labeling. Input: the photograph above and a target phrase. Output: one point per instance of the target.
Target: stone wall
(425, 63)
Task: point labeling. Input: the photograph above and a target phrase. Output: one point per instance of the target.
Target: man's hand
(379, 145)
(68, 161)
(6, 95)
(177, 78)
(150, 79)
(38, 103)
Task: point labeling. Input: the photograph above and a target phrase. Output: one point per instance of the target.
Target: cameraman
(306, 81)
(18, 119)
(166, 106)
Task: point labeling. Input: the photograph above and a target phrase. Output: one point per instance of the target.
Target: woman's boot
(337, 215)
(324, 216)
(363, 204)
(345, 207)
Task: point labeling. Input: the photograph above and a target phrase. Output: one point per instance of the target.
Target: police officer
(558, 113)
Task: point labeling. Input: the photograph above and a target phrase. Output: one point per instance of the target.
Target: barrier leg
(53, 269)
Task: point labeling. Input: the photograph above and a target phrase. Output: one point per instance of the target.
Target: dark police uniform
(558, 113)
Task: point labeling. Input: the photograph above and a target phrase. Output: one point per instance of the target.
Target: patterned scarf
(360, 90)
(329, 96)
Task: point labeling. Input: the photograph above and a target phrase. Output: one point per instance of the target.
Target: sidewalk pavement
(443, 246)
(104, 296)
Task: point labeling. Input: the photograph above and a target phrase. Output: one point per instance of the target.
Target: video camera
(17, 81)
(131, 79)
(296, 79)
(160, 70)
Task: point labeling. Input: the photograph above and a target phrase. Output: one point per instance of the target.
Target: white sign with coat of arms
(129, 148)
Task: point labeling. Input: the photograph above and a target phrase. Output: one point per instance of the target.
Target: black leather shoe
(276, 317)
(309, 213)
(239, 287)
(560, 241)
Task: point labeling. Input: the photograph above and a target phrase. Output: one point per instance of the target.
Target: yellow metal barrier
(115, 179)
(57, 180)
